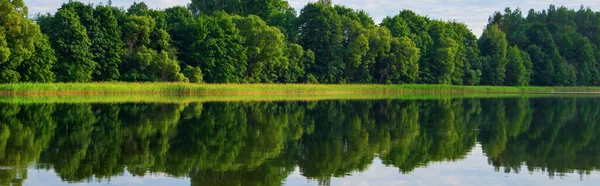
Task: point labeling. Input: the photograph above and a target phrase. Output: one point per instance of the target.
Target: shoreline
(245, 89)
(182, 98)
(122, 88)
(241, 89)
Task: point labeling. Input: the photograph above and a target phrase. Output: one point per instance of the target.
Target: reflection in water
(261, 143)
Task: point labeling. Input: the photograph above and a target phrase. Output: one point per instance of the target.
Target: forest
(268, 41)
(262, 143)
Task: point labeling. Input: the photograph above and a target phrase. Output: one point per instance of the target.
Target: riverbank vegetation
(270, 42)
(238, 89)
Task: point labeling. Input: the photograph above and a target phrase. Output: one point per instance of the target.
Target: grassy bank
(178, 99)
(188, 88)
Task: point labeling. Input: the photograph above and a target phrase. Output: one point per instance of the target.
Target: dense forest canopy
(267, 41)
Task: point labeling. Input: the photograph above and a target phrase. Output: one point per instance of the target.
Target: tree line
(269, 42)
(232, 143)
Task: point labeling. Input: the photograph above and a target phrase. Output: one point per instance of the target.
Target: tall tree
(107, 44)
(321, 32)
(516, 72)
(38, 68)
(442, 62)
(416, 28)
(70, 41)
(18, 36)
(145, 60)
(493, 44)
(401, 64)
(297, 61)
(187, 33)
(224, 57)
(264, 48)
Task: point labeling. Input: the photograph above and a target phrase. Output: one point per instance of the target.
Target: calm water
(505, 141)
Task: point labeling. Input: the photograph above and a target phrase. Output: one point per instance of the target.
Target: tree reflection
(261, 143)
(25, 131)
(558, 136)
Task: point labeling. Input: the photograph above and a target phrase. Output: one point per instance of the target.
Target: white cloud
(472, 12)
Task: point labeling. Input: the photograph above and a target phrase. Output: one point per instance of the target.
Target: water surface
(435, 141)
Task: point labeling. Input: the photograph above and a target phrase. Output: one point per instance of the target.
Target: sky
(474, 13)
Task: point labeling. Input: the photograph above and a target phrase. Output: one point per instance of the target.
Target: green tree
(107, 44)
(355, 47)
(223, 57)
(38, 68)
(264, 49)
(297, 61)
(139, 9)
(444, 61)
(141, 61)
(70, 41)
(397, 26)
(416, 28)
(264, 9)
(321, 32)
(493, 44)
(18, 38)
(194, 74)
(401, 64)
(187, 34)
(515, 68)
(543, 71)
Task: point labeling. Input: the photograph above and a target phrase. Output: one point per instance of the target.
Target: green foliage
(141, 61)
(70, 41)
(264, 41)
(38, 68)
(559, 42)
(224, 58)
(264, 9)
(18, 35)
(264, 49)
(397, 26)
(516, 72)
(297, 60)
(493, 45)
(401, 64)
(194, 74)
(107, 44)
(139, 9)
(321, 32)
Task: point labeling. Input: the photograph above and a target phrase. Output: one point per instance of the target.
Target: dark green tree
(321, 32)
(107, 44)
(70, 40)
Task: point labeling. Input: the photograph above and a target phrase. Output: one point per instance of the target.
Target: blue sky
(472, 12)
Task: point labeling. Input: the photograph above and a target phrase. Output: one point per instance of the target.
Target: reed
(190, 88)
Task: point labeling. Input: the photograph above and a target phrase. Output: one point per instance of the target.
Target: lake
(437, 140)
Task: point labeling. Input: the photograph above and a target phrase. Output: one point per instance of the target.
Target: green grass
(164, 98)
(189, 88)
